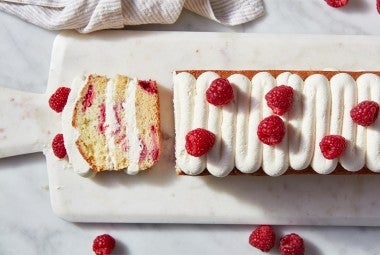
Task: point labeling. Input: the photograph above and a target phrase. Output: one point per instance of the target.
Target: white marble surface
(27, 222)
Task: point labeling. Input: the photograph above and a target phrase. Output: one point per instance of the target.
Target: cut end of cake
(118, 123)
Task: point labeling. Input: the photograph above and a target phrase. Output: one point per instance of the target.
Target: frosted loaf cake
(321, 106)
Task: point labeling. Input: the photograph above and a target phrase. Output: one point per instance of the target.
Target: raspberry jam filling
(149, 86)
(155, 151)
(88, 98)
(123, 140)
(102, 118)
(118, 108)
(124, 144)
(144, 150)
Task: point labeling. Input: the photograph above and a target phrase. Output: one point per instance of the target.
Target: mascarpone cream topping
(132, 132)
(321, 107)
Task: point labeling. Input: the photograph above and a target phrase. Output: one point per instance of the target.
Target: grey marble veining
(27, 222)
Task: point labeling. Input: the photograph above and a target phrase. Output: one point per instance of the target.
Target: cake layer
(116, 122)
(147, 121)
(89, 119)
(322, 104)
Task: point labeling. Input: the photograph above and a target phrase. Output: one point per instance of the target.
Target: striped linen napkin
(91, 15)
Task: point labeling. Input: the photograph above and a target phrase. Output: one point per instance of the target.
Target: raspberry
(271, 130)
(88, 98)
(292, 244)
(280, 99)
(58, 146)
(103, 244)
(378, 6)
(263, 238)
(58, 99)
(365, 113)
(220, 92)
(332, 146)
(336, 3)
(199, 141)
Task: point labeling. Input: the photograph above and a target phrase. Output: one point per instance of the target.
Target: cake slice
(317, 134)
(89, 118)
(115, 124)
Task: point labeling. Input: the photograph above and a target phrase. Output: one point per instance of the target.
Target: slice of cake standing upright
(112, 124)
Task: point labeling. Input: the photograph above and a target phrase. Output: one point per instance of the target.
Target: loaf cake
(322, 104)
(112, 124)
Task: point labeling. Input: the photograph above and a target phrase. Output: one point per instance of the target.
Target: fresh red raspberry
(263, 238)
(332, 146)
(199, 141)
(292, 244)
(336, 3)
(220, 92)
(378, 6)
(280, 99)
(57, 101)
(103, 244)
(271, 130)
(58, 146)
(365, 113)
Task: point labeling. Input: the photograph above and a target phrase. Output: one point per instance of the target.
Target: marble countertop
(28, 224)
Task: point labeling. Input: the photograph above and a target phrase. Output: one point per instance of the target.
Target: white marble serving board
(159, 196)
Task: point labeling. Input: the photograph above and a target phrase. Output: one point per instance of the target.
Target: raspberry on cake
(280, 99)
(326, 128)
(112, 124)
(199, 141)
(365, 113)
(220, 92)
(271, 130)
(332, 146)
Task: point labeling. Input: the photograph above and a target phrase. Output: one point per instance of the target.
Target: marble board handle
(24, 122)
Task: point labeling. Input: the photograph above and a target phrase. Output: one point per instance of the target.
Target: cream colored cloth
(91, 15)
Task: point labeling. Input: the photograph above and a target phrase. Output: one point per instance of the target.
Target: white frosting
(300, 151)
(320, 108)
(369, 89)
(343, 99)
(317, 114)
(274, 160)
(70, 134)
(111, 122)
(221, 122)
(134, 144)
(184, 106)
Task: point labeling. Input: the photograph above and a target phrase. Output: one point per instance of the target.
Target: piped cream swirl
(321, 107)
